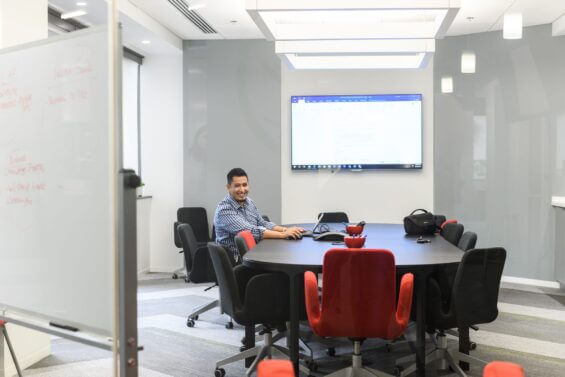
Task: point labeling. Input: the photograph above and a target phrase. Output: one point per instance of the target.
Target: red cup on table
(354, 242)
(354, 230)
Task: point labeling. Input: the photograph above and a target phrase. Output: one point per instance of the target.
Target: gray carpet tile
(173, 349)
(528, 327)
(539, 300)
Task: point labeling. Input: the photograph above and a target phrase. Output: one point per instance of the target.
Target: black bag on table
(417, 224)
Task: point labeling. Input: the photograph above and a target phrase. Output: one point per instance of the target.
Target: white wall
(375, 196)
(162, 157)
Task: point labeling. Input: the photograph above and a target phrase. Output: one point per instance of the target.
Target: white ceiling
(231, 21)
(219, 13)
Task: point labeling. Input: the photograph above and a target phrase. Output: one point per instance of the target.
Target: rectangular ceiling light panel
(352, 19)
(356, 54)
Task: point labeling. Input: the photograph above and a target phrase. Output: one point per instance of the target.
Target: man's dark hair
(236, 172)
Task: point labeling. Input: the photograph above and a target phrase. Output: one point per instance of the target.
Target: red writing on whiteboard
(75, 69)
(19, 200)
(8, 104)
(26, 187)
(74, 95)
(8, 92)
(25, 169)
(25, 102)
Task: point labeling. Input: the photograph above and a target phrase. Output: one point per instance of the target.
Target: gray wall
(500, 143)
(232, 119)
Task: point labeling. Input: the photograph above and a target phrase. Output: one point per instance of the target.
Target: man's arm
(234, 223)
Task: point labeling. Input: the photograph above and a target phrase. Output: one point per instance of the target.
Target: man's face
(239, 188)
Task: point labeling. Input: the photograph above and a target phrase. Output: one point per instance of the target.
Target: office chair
(493, 369)
(360, 305)
(275, 368)
(333, 217)
(12, 353)
(452, 232)
(473, 301)
(198, 220)
(200, 269)
(264, 301)
(266, 218)
(467, 241)
(178, 243)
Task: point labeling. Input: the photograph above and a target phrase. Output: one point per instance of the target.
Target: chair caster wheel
(195, 318)
(312, 365)
(229, 325)
(331, 351)
(242, 348)
(186, 280)
(473, 345)
(190, 323)
(175, 276)
(220, 372)
(398, 370)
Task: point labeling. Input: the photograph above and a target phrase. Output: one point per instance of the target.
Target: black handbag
(418, 224)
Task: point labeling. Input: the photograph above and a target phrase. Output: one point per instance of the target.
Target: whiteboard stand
(4, 335)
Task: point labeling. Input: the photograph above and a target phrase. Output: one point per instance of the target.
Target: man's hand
(293, 232)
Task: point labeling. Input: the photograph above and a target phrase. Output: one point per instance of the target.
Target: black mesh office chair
(473, 301)
(198, 220)
(251, 300)
(183, 271)
(200, 269)
(333, 217)
(452, 232)
(468, 241)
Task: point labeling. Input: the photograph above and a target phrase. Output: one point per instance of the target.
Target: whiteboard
(56, 221)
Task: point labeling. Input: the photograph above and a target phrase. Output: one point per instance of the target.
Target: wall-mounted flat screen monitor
(356, 132)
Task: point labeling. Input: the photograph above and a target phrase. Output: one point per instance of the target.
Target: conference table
(294, 257)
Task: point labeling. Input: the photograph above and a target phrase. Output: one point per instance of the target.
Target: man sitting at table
(237, 212)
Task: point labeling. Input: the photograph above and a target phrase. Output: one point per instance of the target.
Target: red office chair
(358, 300)
(275, 368)
(503, 369)
(5, 332)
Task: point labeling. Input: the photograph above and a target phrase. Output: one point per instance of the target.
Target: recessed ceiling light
(356, 54)
(146, 41)
(73, 14)
(81, 3)
(352, 19)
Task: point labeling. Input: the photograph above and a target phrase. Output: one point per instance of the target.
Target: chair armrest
(311, 298)
(405, 300)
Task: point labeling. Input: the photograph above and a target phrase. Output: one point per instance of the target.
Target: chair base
(267, 350)
(357, 369)
(192, 317)
(444, 355)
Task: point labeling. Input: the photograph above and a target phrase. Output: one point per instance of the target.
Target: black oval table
(294, 257)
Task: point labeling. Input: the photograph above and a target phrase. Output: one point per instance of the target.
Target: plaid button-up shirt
(232, 217)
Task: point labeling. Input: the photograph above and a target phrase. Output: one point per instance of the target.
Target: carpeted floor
(530, 330)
